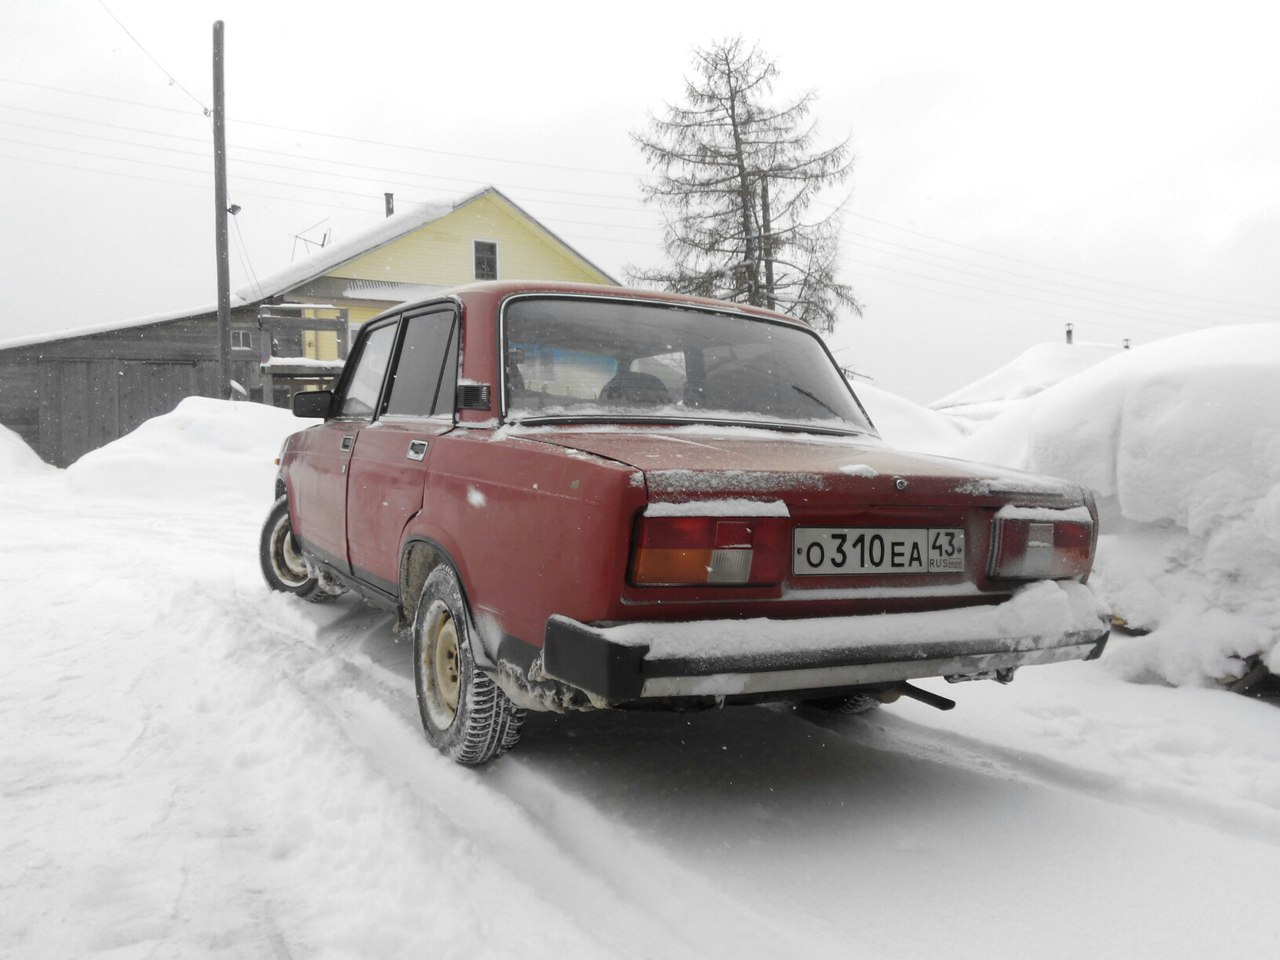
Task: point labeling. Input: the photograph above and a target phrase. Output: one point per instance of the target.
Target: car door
(320, 473)
(393, 453)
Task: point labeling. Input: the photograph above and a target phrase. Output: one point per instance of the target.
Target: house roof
(308, 269)
(335, 255)
(392, 228)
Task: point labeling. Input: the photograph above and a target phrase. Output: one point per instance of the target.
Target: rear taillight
(1034, 544)
(692, 550)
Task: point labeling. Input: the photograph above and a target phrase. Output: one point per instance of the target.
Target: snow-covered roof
(33, 339)
(312, 268)
(331, 257)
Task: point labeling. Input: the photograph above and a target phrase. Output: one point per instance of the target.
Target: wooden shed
(71, 392)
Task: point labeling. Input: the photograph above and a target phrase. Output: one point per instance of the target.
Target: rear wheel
(465, 714)
(283, 566)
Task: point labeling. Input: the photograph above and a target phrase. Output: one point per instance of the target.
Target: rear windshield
(584, 359)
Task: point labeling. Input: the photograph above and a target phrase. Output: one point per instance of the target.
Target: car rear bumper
(1044, 622)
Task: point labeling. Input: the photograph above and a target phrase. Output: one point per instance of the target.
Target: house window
(486, 260)
(241, 340)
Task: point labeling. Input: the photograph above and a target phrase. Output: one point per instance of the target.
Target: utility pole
(220, 216)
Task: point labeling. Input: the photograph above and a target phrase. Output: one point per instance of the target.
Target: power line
(202, 187)
(1078, 297)
(244, 255)
(292, 166)
(1091, 312)
(101, 123)
(102, 156)
(1058, 317)
(338, 136)
(173, 82)
(94, 136)
(96, 96)
(1042, 285)
(1073, 291)
(242, 178)
(1131, 313)
(328, 204)
(439, 153)
(1041, 266)
(1267, 313)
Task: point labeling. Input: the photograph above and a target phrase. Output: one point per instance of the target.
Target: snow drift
(1181, 441)
(17, 459)
(907, 425)
(1028, 374)
(204, 449)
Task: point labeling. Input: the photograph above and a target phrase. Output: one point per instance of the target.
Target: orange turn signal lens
(688, 551)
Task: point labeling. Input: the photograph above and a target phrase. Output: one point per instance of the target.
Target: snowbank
(1181, 441)
(1033, 372)
(211, 451)
(907, 425)
(17, 460)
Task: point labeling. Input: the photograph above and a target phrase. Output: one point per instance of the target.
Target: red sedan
(589, 497)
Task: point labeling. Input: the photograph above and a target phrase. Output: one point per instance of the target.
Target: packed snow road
(194, 767)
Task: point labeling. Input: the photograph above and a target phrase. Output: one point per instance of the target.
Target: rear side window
(361, 395)
(426, 371)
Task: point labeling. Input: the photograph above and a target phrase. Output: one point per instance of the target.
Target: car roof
(495, 291)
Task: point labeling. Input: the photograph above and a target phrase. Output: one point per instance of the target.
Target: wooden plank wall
(20, 398)
(68, 397)
(85, 404)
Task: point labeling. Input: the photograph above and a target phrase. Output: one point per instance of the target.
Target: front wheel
(283, 566)
(465, 714)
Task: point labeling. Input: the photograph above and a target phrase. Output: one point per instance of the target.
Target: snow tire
(283, 566)
(465, 714)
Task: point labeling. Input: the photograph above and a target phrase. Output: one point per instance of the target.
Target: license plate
(854, 550)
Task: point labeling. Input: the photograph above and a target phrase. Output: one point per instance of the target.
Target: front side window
(618, 360)
(486, 254)
(360, 398)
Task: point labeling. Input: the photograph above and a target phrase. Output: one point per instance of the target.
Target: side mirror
(313, 404)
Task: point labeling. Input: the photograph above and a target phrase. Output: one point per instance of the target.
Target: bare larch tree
(735, 176)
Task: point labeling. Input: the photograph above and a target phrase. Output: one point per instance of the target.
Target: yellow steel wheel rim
(290, 566)
(446, 669)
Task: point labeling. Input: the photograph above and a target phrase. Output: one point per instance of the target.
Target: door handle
(348, 443)
(417, 450)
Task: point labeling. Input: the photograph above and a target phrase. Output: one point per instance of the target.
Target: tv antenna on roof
(309, 242)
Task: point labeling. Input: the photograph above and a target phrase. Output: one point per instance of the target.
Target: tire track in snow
(581, 863)
(322, 723)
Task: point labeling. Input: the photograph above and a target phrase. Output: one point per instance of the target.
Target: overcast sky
(1018, 166)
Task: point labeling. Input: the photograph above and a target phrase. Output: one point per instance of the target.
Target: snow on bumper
(1043, 622)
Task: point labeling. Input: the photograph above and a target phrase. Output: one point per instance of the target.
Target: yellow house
(482, 236)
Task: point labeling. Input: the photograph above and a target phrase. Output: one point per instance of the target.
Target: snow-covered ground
(194, 767)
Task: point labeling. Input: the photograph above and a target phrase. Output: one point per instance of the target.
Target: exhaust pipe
(904, 689)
